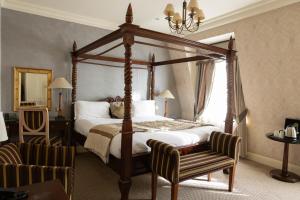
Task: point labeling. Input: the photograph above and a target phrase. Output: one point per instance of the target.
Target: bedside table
(57, 127)
(284, 174)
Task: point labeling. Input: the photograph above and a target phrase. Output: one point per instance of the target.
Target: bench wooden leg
(231, 178)
(209, 177)
(154, 185)
(174, 191)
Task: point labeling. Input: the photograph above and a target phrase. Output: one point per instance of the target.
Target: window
(216, 109)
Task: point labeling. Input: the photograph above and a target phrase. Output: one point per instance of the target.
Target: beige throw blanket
(100, 136)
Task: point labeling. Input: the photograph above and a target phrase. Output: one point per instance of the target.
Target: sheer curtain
(215, 111)
(240, 109)
(203, 87)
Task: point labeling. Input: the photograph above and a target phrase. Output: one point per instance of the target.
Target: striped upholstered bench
(167, 162)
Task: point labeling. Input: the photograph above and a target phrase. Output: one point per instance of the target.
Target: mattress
(174, 138)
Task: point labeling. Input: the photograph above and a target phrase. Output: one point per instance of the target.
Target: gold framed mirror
(31, 87)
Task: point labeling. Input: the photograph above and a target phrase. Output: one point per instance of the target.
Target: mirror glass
(31, 87)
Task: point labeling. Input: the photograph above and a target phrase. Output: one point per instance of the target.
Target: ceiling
(146, 13)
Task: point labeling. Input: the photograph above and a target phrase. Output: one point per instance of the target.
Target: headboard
(113, 99)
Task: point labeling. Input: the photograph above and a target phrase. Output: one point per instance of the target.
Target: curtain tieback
(241, 116)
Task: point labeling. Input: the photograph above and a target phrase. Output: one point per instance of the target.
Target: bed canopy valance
(131, 34)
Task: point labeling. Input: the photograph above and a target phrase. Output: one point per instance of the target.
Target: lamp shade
(193, 4)
(60, 83)
(167, 95)
(169, 10)
(3, 133)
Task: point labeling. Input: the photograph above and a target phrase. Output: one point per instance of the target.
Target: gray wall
(40, 42)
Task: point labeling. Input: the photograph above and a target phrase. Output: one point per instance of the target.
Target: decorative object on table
(60, 83)
(13, 194)
(166, 95)
(291, 132)
(292, 127)
(3, 132)
(279, 133)
(292, 122)
(284, 174)
(47, 190)
(192, 17)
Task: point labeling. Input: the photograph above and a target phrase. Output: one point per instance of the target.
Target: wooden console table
(57, 127)
(284, 174)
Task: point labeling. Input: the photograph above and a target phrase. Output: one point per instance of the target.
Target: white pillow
(144, 108)
(91, 109)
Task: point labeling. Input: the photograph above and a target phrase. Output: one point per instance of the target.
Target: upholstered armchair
(25, 163)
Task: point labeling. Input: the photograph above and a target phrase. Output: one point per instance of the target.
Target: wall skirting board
(271, 162)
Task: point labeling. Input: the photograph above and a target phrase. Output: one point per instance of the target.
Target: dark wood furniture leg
(154, 186)
(209, 177)
(284, 174)
(231, 178)
(174, 191)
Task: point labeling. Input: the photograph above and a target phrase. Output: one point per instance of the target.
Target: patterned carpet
(95, 181)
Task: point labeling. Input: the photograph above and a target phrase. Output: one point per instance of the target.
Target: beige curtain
(240, 110)
(203, 87)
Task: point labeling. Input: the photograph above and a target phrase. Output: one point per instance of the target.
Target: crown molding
(245, 12)
(18, 5)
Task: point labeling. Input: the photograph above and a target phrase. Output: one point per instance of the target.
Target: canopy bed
(130, 164)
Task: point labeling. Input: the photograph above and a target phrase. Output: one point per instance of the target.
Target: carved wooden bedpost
(230, 87)
(152, 78)
(74, 81)
(126, 142)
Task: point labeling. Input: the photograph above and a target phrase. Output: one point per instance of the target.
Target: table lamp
(3, 132)
(60, 83)
(166, 95)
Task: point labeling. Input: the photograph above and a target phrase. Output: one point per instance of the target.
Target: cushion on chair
(54, 141)
(9, 154)
(201, 163)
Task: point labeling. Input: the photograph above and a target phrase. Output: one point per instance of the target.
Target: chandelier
(188, 21)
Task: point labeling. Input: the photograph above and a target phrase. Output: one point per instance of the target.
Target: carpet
(95, 181)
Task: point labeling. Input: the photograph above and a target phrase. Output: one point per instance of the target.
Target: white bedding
(175, 138)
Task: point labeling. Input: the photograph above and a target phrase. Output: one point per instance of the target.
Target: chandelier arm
(184, 12)
(172, 25)
(189, 24)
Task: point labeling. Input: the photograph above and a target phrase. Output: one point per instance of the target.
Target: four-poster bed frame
(127, 32)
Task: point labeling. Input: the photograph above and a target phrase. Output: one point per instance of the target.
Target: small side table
(48, 190)
(284, 174)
